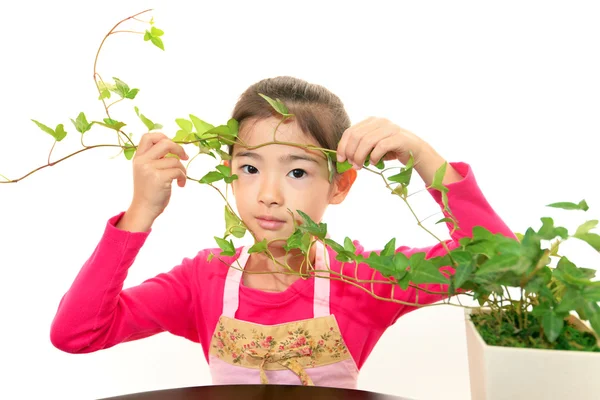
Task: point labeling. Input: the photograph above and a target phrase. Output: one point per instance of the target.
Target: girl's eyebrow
(286, 158)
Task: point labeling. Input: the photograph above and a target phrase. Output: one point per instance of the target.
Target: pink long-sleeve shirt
(96, 313)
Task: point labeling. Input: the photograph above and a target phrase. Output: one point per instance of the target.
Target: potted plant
(533, 331)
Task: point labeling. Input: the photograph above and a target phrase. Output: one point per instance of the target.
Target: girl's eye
(297, 173)
(249, 169)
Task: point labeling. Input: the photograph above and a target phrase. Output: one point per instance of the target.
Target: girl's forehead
(261, 131)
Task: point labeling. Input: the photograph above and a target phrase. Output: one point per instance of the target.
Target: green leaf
(184, 124)
(81, 123)
(582, 205)
(233, 127)
(384, 264)
(591, 294)
(201, 126)
(129, 151)
(60, 132)
(592, 312)
(548, 231)
(105, 90)
(593, 239)
(212, 176)
(424, 271)
(157, 42)
(149, 124)
(225, 170)
(390, 248)
(45, 128)
(299, 240)
(438, 178)
(113, 124)
(258, 247)
(317, 230)
(403, 177)
(553, 325)
(586, 227)
(233, 224)
(156, 32)
(343, 166)
(277, 105)
(226, 245)
(132, 93)
(120, 88)
(464, 269)
(334, 245)
(349, 245)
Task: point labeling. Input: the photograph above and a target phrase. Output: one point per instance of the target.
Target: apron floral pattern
(239, 347)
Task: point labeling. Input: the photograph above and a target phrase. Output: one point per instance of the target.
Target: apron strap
(231, 292)
(322, 283)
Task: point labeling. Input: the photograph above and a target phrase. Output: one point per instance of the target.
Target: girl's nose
(270, 193)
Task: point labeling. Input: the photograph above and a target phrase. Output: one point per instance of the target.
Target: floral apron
(306, 352)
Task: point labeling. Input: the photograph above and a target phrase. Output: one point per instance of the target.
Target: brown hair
(317, 111)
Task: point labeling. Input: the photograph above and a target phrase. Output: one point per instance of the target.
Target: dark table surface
(257, 392)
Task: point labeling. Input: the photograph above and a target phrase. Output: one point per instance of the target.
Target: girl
(263, 328)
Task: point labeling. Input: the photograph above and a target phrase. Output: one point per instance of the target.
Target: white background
(510, 87)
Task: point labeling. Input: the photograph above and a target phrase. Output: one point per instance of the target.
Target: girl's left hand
(380, 138)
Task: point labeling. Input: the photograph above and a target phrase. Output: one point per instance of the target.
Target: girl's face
(275, 178)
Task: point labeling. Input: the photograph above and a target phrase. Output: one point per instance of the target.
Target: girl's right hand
(153, 173)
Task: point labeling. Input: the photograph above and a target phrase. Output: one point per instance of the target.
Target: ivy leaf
(403, 177)
(129, 151)
(334, 245)
(593, 239)
(226, 245)
(299, 240)
(113, 124)
(58, 134)
(233, 224)
(553, 325)
(132, 93)
(154, 36)
(156, 32)
(120, 88)
(212, 176)
(424, 271)
(258, 247)
(565, 205)
(226, 171)
(586, 227)
(149, 124)
(384, 264)
(317, 230)
(389, 249)
(349, 245)
(342, 166)
(105, 90)
(548, 231)
(233, 127)
(81, 124)
(184, 124)
(464, 269)
(449, 221)
(592, 312)
(277, 105)
(201, 126)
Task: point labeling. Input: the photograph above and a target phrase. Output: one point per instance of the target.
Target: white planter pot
(508, 373)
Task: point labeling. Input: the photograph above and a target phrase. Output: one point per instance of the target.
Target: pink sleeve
(470, 208)
(95, 313)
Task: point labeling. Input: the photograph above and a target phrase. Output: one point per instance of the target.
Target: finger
(368, 143)
(166, 163)
(163, 147)
(148, 140)
(169, 175)
(382, 147)
(348, 133)
(354, 142)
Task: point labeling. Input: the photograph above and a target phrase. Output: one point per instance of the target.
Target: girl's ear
(343, 183)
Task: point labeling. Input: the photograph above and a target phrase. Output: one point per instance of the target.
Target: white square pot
(510, 373)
